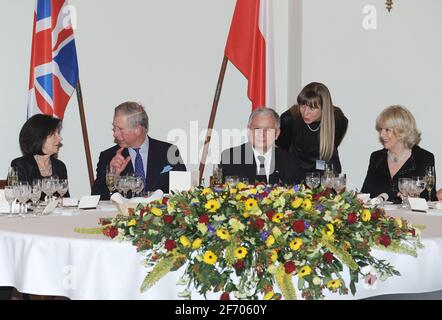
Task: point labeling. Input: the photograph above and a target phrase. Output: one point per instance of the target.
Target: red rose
(225, 296)
(110, 232)
(413, 232)
(167, 219)
(376, 215)
(316, 196)
(289, 267)
(204, 218)
(259, 224)
(239, 265)
(170, 245)
(270, 214)
(328, 257)
(351, 218)
(165, 201)
(298, 226)
(385, 240)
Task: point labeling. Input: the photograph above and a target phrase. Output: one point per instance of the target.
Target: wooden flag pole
(212, 116)
(85, 135)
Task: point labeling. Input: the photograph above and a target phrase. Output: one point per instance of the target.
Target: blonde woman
(313, 129)
(401, 157)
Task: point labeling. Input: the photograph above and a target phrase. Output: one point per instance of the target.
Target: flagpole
(85, 134)
(212, 116)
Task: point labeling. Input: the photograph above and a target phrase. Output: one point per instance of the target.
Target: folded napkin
(123, 204)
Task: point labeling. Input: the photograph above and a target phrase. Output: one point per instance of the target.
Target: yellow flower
(157, 212)
(250, 204)
(366, 215)
(202, 228)
(245, 215)
(240, 252)
(212, 205)
(209, 257)
(170, 208)
(206, 191)
(270, 241)
(131, 223)
(223, 234)
(238, 197)
(236, 225)
(277, 217)
(316, 281)
(268, 295)
(185, 241)
(196, 244)
(398, 222)
(267, 201)
(307, 204)
(329, 229)
(233, 191)
(334, 284)
(305, 271)
(274, 255)
(296, 244)
(253, 191)
(297, 203)
(241, 186)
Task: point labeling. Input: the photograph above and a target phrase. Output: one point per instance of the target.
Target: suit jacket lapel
(153, 163)
(247, 153)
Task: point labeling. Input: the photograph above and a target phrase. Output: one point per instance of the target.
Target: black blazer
(157, 161)
(303, 144)
(378, 179)
(240, 161)
(28, 170)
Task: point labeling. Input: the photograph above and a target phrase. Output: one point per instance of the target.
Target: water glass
(430, 179)
(10, 197)
(339, 182)
(313, 179)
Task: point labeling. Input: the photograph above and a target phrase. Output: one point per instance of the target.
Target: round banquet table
(44, 256)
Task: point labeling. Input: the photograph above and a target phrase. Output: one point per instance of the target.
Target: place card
(89, 202)
(70, 202)
(183, 180)
(418, 204)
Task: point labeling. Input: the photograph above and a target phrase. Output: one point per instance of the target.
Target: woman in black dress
(40, 142)
(401, 156)
(313, 129)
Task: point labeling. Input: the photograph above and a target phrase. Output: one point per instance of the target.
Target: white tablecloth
(45, 256)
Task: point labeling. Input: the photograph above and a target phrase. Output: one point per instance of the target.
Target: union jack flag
(54, 67)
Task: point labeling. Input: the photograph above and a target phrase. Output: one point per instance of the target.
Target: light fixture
(389, 5)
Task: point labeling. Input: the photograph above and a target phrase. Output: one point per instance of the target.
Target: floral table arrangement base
(252, 242)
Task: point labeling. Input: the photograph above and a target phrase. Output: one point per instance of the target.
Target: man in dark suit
(259, 160)
(136, 152)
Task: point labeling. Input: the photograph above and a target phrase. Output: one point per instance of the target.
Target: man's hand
(118, 162)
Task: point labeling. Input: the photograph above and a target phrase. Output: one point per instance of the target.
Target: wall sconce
(389, 5)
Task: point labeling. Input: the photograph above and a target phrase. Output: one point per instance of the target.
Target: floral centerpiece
(249, 242)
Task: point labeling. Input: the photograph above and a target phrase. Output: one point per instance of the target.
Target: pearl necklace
(400, 157)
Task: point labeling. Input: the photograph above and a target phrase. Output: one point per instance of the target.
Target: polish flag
(250, 48)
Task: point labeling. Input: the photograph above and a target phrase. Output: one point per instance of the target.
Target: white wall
(167, 55)
(398, 63)
(164, 53)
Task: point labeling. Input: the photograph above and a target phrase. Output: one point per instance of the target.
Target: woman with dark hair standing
(40, 142)
(313, 129)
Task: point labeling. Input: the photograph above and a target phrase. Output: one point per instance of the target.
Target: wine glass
(403, 185)
(62, 188)
(339, 182)
(10, 197)
(313, 179)
(111, 176)
(217, 174)
(138, 186)
(35, 194)
(420, 184)
(327, 181)
(23, 194)
(12, 179)
(329, 169)
(430, 179)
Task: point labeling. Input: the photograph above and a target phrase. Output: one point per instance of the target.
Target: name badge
(320, 165)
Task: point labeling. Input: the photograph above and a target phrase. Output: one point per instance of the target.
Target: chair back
(2, 184)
